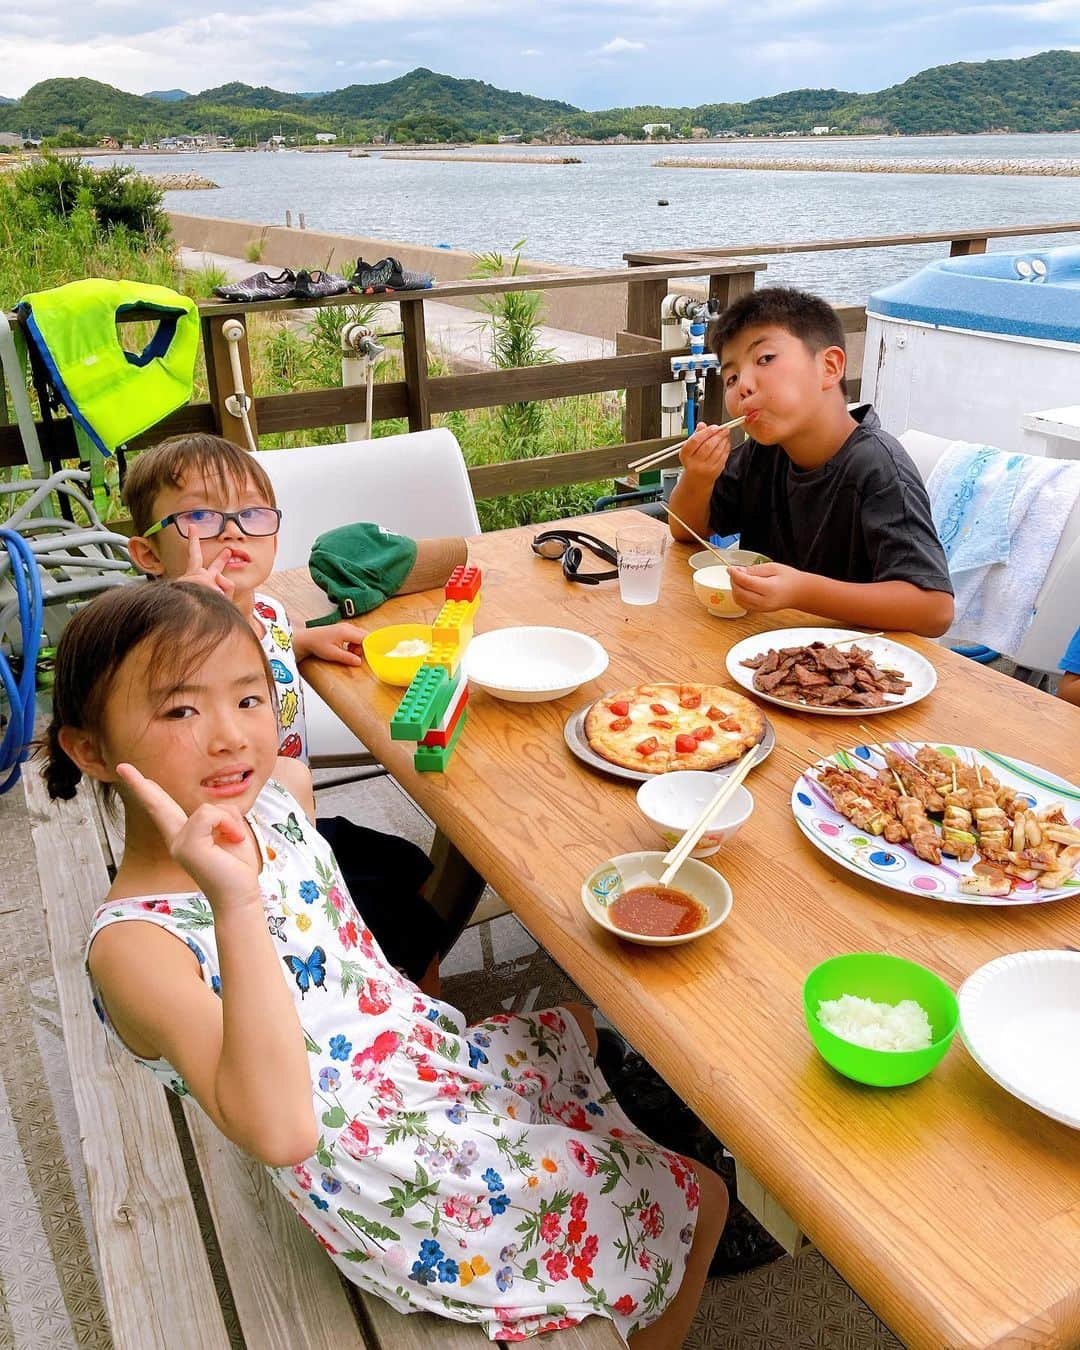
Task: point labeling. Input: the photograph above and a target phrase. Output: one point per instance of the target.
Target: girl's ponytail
(60, 772)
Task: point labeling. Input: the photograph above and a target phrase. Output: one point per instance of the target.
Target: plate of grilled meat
(945, 822)
(835, 671)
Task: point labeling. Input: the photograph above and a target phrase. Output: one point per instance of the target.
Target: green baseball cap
(360, 566)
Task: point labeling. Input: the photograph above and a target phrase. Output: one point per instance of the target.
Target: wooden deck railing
(639, 366)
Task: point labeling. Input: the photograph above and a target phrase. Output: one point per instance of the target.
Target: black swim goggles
(568, 546)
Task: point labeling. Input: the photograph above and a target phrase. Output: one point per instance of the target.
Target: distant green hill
(1035, 93)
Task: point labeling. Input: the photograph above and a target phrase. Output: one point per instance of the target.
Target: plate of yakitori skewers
(945, 822)
(834, 671)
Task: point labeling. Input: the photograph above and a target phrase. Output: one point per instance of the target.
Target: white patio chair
(1057, 610)
(416, 484)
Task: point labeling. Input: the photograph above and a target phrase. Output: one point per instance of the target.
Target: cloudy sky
(592, 53)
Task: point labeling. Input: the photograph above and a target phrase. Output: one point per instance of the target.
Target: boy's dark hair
(213, 458)
(183, 621)
(809, 318)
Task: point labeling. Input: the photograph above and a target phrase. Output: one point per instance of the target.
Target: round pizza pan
(574, 734)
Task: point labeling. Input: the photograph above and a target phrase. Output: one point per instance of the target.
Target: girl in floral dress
(484, 1173)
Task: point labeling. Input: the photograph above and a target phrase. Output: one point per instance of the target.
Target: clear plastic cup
(641, 564)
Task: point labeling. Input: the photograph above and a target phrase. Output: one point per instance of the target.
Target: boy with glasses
(203, 510)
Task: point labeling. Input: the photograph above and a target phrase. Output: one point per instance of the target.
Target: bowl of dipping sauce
(624, 896)
(733, 557)
(396, 653)
(712, 586)
(879, 1019)
(673, 801)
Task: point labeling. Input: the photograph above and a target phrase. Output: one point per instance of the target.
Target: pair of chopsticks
(658, 456)
(675, 858)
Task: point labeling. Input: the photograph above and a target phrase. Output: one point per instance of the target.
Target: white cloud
(311, 44)
(789, 51)
(618, 45)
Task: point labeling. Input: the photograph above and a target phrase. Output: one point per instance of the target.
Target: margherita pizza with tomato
(659, 727)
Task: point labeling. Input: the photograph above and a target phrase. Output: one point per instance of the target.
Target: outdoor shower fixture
(683, 320)
(360, 349)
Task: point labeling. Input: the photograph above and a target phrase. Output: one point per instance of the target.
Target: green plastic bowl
(886, 979)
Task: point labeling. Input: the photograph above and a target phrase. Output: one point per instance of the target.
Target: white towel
(995, 603)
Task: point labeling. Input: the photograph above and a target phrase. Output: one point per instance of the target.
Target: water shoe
(261, 286)
(388, 275)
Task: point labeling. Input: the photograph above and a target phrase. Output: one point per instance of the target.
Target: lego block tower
(432, 710)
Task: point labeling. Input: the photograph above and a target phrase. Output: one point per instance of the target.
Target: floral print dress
(484, 1173)
(277, 643)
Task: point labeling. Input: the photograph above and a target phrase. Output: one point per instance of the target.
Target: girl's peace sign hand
(214, 575)
(212, 844)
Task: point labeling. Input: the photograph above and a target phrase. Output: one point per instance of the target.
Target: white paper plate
(886, 653)
(896, 866)
(574, 735)
(1020, 1018)
(532, 665)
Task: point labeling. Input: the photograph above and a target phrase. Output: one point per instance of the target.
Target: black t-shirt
(862, 516)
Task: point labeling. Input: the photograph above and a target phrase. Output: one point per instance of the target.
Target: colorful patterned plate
(897, 866)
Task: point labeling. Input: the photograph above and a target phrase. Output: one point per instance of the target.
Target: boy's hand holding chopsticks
(670, 451)
(706, 453)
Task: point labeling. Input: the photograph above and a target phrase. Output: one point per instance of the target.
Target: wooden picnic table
(951, 1207)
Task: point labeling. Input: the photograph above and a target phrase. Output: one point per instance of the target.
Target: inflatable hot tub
(967, 347)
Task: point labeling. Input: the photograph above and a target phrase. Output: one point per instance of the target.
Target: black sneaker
(317, 285)
(388, 275)
(261, 286)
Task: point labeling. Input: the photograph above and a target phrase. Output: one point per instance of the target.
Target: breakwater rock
(1041, 168)
(180, 182)
(489, 159)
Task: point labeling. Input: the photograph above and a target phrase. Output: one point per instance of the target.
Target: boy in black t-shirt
(831, 498)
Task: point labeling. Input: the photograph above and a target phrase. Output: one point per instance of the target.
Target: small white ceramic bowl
(532, 665)
(673, 801)
(735, 557)
(604, 884)
(712, 586)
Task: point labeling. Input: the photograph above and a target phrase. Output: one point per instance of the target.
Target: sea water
(588, 214)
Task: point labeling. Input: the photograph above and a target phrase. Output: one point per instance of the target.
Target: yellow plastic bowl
(397, 670)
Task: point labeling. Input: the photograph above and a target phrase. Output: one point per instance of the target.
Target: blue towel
(971, 493)
(1000, 517)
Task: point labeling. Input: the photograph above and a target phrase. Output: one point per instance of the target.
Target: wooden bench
(196, 1247)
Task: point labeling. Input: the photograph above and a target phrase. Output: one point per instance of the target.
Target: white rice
(410, 647)
(878, 1026)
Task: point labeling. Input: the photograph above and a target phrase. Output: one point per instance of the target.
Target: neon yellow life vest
(111, 393)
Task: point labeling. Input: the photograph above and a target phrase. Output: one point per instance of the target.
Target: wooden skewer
(711, 547)
(658, 456)
(857, 637)
(801, 757)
